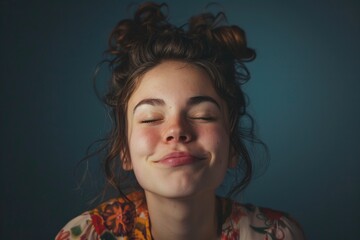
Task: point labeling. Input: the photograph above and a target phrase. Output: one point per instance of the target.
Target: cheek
(142, 142)
(217, 139)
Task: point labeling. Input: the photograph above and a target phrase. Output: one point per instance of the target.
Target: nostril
(169, 138)
(183, 138)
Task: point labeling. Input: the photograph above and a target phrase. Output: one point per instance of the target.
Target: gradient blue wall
(304, 95)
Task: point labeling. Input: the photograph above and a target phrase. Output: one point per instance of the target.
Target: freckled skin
(172, 124)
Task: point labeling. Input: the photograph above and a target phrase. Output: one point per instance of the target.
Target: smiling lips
(177, 159)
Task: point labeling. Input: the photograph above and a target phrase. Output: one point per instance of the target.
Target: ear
(126, 165)
(125, 162)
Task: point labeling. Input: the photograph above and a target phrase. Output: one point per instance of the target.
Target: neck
(184, 218)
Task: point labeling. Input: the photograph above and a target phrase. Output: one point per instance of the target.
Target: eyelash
(207, 119)
(210, 119)
(149, 120)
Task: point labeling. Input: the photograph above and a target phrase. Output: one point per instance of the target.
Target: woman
(178, 107)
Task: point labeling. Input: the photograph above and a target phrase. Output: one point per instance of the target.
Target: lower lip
(179, 161)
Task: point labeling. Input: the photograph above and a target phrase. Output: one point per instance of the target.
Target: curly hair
(139, 44)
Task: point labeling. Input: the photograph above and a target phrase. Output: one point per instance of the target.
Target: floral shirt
(120, 219)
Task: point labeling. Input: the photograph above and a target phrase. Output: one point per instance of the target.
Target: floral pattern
(270, 219)
(122, 219)
(119, 218)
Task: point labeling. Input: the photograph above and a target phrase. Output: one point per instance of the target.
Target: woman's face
(177, 131)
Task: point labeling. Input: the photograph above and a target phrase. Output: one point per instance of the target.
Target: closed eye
(150, 120)
(207, 119)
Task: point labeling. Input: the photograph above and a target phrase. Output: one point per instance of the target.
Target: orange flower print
(98, 223)
(119, 217)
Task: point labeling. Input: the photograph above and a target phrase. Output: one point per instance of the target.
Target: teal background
(304, 96)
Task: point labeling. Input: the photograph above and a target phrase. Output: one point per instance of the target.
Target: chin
(182, 192)
(183, 184)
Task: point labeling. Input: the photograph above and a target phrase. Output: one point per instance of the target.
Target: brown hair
(136, 45)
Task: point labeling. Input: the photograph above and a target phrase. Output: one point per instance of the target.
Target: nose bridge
(178, 130)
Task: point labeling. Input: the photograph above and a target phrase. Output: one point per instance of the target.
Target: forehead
(175, 77)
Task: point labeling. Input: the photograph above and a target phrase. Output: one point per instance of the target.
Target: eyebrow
(192, 101)
(150, 101)
(200, 99)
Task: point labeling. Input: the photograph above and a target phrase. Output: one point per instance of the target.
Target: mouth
(177, 159)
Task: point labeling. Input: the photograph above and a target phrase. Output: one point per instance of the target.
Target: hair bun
(233, 39)
(202, 24)
(229, 39)
(123, 36)
(148, 20)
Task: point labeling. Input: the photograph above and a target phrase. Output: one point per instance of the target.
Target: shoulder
(255, 223)
(120, 218)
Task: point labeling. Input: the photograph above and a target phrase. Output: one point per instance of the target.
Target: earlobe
(125, 162)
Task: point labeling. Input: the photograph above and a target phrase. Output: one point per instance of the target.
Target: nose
(178, 131)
